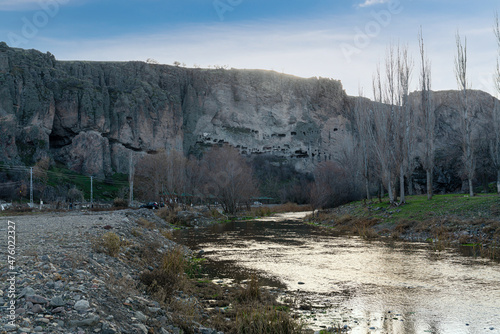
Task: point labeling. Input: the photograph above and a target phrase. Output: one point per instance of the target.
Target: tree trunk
(367, 185)
(410, 186)
(471, 188)
(498, 181)
(391, 190)
(428, 172)
(381, 192)
(401, 186)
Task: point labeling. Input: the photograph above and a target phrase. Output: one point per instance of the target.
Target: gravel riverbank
(63, 285)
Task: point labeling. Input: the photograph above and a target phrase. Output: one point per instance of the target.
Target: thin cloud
(29, 5)
(368, 3)
(307, 49)
(17, 5)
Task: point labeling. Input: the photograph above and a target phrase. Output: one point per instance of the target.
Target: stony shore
(63, 285)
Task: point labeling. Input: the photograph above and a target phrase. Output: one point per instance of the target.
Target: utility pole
(91, 192)
(131, 179)
(31, 187)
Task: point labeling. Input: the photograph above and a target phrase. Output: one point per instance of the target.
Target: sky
(339, 39)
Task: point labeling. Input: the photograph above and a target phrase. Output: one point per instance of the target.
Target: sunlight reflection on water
(373, 287)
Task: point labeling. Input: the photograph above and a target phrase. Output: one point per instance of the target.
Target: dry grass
(404, 225)
(108, 243)
(257, 319)
(291, 207)
(145, 223)
(261, 211)
(251, 292)
(169, 277)
(136, 232)
(120, 203)
(170, 215)
(168, 234)
(121, 287)
(184, 312)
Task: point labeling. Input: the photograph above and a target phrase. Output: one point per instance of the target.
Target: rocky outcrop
(91, 115)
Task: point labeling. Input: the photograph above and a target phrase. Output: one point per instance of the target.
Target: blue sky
(340, 39)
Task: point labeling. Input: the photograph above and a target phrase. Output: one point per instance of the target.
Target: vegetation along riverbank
(472, 223)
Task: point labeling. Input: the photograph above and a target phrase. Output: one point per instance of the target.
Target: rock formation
(91, 115)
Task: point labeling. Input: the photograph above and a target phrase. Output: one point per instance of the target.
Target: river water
(368, 286)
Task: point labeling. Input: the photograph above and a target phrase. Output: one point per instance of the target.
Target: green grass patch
(107, 189)
(419, 208)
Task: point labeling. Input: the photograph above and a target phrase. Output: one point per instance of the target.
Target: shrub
(251, 292)
(167, 234)
(120, 203)
(108, 243)
(169, 277)
(257, 320)
(194, 267)
(145, 223)
(292, 207)
(136, 232)
(262, 211)
(169, 215)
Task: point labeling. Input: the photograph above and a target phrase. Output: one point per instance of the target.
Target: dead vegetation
(108, 243)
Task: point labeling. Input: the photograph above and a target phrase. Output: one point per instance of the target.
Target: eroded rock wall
(91, 115)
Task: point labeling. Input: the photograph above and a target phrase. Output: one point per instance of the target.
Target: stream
(366, 286)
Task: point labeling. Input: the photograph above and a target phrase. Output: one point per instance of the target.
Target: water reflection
(373, 287)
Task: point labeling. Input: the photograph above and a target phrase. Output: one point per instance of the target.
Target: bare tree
(427, 116)
(393, 130)
(333, 185)
(362, 119)
(382, 135)
(495, 140)
(148, 176)
(174, 183)
(228, 178)
(468, 158)
(496, 29)
(161, 175)
(40, 174)
(405, 126)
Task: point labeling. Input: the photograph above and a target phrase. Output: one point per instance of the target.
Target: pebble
(26, 292)
(10, 327)
(142, 328)
(140, 316)
(57, 301)
(36, 299)
(81, 305)
(37, 309)
(91, 321)
(58, 310)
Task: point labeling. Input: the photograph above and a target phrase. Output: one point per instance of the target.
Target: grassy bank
(444, 221)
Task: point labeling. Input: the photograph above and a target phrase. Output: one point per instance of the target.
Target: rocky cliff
(91, 115)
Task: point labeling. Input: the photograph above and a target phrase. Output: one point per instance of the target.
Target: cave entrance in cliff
(57, 140)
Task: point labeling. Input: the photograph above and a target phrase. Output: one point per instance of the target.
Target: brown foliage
(169, 277)
(161, 174)
(333, 186)
(228, 178)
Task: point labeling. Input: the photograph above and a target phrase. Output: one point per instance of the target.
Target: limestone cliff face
(91, 115)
